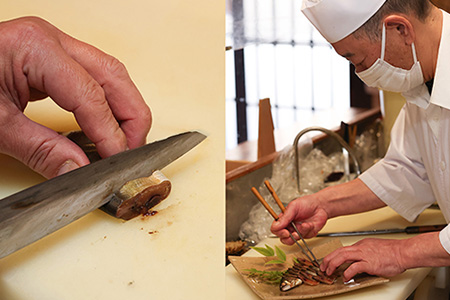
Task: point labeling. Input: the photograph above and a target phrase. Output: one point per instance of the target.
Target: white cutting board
(174, 51)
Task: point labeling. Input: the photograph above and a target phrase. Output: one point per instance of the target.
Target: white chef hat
(336, 19)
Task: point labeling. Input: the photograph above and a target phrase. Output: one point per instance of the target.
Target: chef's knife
(31, 214)
(408, 230)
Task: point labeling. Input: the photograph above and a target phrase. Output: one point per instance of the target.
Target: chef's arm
(386, 257)
(381, 257)
(424, 250)
(348, 198)
(311, 212)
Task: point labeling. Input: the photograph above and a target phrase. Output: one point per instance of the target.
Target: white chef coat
(416, 169)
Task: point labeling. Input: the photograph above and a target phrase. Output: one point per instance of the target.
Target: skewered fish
(303, 271)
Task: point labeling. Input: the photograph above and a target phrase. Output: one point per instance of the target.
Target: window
(277, 54)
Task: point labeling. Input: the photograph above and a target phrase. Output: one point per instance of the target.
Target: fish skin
(303, 271)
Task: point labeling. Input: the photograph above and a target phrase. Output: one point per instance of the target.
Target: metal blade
(31, 214)
(408, 230)
(362, 232)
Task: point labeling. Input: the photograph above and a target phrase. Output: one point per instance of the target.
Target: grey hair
(372, 28)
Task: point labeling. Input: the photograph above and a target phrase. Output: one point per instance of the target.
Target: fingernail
(67, 166)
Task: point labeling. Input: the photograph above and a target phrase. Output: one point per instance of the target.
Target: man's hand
(38, 60)
(311, 212)
(380, 257)
(387, 258)
(308, 216)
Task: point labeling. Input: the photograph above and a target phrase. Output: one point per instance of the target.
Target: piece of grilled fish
(303, 271)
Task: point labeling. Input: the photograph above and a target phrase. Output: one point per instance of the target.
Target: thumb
(279, 226)
(39, 147)
(285, 218)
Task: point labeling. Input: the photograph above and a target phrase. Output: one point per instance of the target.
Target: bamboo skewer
(274, 195)
(283, 209)
(313, 259)
(263, 202)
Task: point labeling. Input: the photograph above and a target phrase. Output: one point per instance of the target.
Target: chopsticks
(312, 258)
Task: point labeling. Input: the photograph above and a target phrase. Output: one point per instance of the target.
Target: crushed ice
(317, 166)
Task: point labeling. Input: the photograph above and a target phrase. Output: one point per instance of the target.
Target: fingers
(41, 60)
(278, 226)
(124, 99)
(307, 230)
(279, 229)
(83, 80)
(356, 268)
(287, 241)
(338, 257)
(288, 235)
(373, 256)
(40, 148)
(284, 219)
(72, 88)
(307, 218)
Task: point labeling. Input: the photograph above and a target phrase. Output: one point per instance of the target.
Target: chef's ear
(401, 26)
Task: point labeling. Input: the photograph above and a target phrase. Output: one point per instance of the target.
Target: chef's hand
(38, 60)
(387, 258)
(311, 212)
(307, 214)
(380, 257)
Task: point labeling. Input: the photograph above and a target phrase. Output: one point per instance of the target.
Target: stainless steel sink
(239, 198)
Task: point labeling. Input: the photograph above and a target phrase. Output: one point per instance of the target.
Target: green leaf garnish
(270, 277)
(264, 251)
(280, 253)
(252, 270)
(275, 261)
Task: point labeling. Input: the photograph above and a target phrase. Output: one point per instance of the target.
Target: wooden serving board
(269, 291)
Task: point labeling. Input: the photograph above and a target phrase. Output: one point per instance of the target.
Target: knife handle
(422, 229)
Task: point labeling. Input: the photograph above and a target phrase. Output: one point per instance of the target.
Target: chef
(399, 46)
(38, 60)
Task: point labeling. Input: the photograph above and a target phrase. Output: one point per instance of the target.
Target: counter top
(399, 287)
(174, 52)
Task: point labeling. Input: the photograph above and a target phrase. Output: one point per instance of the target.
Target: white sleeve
(400, 179)
(444, 238)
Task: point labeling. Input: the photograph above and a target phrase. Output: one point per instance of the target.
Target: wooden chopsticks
(311, 258)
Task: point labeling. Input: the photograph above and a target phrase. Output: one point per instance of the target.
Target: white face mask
(384, 76)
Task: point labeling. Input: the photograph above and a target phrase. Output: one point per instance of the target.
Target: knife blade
(33, 213)
(407, 230)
